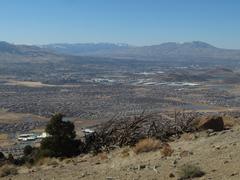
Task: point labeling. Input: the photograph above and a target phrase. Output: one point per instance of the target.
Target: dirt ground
(10, 117)
(217, 154)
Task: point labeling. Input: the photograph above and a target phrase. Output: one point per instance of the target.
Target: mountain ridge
(195, 50)
(12, 53)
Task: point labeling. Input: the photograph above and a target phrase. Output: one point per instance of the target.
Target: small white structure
(32, 137)
(43, 135)
(27, 137)
(87, 131)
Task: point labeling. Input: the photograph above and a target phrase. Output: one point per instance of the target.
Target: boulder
(215, 123)
(171, 175)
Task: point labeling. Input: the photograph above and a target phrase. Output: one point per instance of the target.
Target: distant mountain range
(177, 51)
(174, 50)
(11, 53)
(85, 48)
(7, 48)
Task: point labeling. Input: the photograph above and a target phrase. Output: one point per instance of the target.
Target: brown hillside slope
(216, 153)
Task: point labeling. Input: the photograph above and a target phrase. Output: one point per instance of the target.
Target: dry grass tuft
(103, 156)
(166, 150)
(68, 161)
(3, 136)
(188, 136)
(48, 162)
(125, 152)
(189, 171)
(147, 145)
(7, 170)
(229, 122)
(53, 163)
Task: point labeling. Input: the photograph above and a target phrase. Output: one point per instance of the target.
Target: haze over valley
(131, 83)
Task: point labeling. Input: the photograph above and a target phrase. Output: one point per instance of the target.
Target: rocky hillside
(215, 153)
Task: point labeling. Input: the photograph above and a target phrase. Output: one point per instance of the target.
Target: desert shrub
(19, 161)
(2, 159)
(35, 156)
(8, 170)
(2, 156)
(10, 158)
(147, 145)
(27, 150)
(166, 150)
(61, 142)
(190, 171)
(30, 156)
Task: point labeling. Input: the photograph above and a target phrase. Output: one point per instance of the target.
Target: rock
(154, 168)
(209, 131)
(133, 168)
(223, 132)
(141, 167)
(234, 174)
(197, 135)
(171, 175)
(215, 123)
(225, 162)
(83, 175)
(212, 134)
(185, 154)
(110, 178)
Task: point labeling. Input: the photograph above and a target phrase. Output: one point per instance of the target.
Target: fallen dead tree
(127, 131)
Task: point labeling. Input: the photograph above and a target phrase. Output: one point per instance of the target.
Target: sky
(136, 22)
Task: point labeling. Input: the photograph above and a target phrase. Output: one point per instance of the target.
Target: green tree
(61, 142)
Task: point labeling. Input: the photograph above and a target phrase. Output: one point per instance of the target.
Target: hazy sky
(137, 22)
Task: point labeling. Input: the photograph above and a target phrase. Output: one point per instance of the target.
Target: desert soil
(217, 154)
